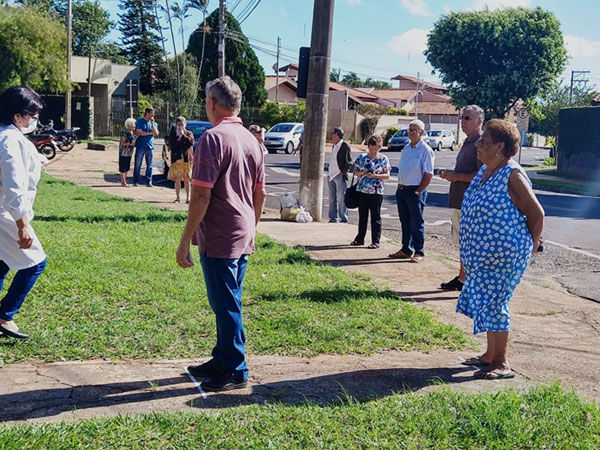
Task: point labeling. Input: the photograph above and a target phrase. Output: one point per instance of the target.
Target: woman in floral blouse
(372, 169)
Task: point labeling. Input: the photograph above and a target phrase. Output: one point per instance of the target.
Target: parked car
(284, 136)
(439, 139)
(196, 127)
(400, 140)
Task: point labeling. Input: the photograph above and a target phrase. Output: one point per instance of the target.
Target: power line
(251, 11)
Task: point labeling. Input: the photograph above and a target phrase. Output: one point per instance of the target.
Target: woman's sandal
(373, 245)
(355, 242)
(493, 375)
(475, 361)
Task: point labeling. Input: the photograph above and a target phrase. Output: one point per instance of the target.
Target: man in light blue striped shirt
(415, 172)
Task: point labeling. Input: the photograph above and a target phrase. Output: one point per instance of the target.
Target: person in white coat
(20, 169)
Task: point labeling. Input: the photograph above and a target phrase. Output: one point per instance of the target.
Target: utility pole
(221, 46)
(577, 76)
(69, 55)
(317, 97)
(417, 97)
(277, 70)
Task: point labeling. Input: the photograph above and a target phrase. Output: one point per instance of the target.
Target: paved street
(571, 220)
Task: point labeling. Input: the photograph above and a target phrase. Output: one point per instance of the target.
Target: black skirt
(124, 164)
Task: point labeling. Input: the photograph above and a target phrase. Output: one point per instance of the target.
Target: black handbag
(351, 196)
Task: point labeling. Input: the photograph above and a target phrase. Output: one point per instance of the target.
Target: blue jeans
(224, 281)
(141, 154)
(19, 288)
(337, 191)
(410, 210)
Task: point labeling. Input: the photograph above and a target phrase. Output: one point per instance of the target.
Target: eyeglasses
(466, 118)
(414, 131)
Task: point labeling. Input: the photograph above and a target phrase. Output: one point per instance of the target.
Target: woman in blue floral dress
(372, 169)
(501, 224)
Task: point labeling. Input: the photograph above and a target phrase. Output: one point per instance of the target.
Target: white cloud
(578, 47)
(416, 7)
(410, 42)
(354, 2)
(495, 4)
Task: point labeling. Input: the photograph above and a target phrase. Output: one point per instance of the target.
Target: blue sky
(383, 38)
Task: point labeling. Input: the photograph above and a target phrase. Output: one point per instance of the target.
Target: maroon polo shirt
(466, 162)
(229, 161)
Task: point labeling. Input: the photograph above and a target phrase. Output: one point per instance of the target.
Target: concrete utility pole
(221, 47)
(69, 55)
(417, 97)
(313, 153)
(577, 76)
(277, 71)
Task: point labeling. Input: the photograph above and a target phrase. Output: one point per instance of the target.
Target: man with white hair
(466, 167)
(415, 172)
(226, 203)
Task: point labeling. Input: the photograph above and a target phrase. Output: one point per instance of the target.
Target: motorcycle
(65, 139)
(45, 144)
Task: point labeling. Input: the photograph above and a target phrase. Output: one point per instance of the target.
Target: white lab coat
(20, 169)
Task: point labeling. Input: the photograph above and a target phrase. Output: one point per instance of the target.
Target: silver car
(284, 136)
(439, 139)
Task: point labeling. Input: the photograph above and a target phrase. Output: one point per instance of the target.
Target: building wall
(286, 94)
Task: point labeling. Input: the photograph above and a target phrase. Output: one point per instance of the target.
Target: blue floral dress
(495, 247)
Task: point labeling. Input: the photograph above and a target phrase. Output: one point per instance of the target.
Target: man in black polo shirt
(467, 166)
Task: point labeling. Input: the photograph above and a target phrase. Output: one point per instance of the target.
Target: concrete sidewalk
(555, 335)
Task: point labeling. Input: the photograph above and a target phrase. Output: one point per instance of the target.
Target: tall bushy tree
(90, 24)
(241, 63)
(141, 43)
(495, 58)
(33, 46)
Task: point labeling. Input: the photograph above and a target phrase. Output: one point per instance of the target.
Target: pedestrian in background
(20, 170)
(226, 204)
(415, 172)
(501, 224)
(126, 146)
(466, 167)
(145, 131)
(340, 160)
(372, 168)
(181, 144)
(259, 133)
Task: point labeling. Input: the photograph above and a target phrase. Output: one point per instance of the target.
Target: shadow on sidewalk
(323, 390)
(362, 385)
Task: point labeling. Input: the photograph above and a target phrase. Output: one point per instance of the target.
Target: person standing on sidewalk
(226, 204)
(466, 167)
(415, 172)
(20, 169)
(372, 169)
(145, 131)
(126, 145)
(337, 176)
(181, 143)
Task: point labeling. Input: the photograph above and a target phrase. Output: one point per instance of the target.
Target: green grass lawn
(544, 418)
(112, 289)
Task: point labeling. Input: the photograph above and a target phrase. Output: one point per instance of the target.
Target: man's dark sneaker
(227, 382)
(453, 285)
(211, 368)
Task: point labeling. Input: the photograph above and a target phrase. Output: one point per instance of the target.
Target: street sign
(523, 124)
(523, 113)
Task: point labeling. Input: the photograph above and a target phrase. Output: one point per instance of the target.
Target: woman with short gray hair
(126, 146)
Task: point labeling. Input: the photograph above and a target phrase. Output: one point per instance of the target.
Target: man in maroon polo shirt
(467, 166)
(226, 203)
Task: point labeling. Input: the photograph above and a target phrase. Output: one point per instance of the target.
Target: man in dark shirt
(467, 166)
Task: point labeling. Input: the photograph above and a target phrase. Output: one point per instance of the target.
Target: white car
(439, 139)
(284, 136)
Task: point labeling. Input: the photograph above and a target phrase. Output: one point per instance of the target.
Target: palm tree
(200, 5)
(180, 13)
(167, 10)
(351, 79)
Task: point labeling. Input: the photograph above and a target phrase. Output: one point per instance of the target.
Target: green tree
(189, 84)
(241, 63)
(90, 24)
(202, 6)
(495, 58)
(544, 111)
(33, 46)
(351, 79)
(111, 51)
(140, 39)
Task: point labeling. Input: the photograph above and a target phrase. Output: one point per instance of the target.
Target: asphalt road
(572, 221)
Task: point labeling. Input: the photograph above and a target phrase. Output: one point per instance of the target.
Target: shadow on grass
(325, 390)
(170, 217)
(332, 295)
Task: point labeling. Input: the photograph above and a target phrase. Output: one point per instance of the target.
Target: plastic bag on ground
(303, 216)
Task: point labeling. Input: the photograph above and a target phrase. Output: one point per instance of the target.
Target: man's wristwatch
(417, 192)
